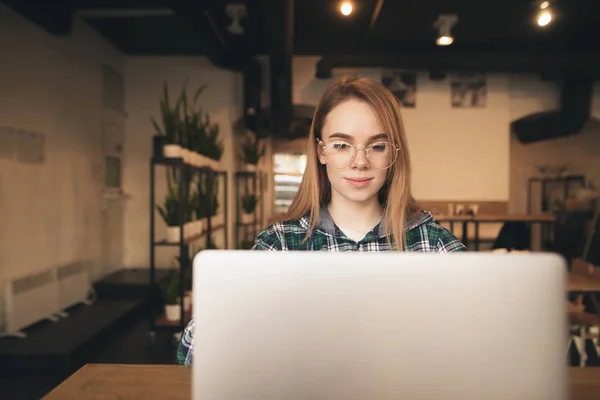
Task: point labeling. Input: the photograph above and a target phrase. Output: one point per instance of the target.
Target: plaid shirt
(422, 235)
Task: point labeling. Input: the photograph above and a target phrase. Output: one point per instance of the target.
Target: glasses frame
(395, 148)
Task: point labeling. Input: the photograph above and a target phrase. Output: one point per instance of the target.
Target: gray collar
(326, 223)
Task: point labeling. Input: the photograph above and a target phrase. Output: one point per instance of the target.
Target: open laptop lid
(313, 325)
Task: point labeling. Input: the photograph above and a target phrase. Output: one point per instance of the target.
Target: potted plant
(203, 135)
(196, 214)
(170, 212)
(212, 197)
(170, 294)
(252, 151)
(167, 138)
(249, 203)
(214, 146)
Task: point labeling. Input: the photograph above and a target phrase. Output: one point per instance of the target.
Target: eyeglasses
(341, 154)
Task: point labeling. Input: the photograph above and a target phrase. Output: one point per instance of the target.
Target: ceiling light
(346, 8)
(544, 18)
(444, 24)
(444, 40)
(545, 14)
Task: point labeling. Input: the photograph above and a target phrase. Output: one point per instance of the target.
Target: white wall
(448, 146)
(581, 152)
(51, 213)
(222, 100)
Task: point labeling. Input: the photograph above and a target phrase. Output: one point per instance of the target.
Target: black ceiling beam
(375, 15)
(56, 17)
(281, 33)
(502, 62)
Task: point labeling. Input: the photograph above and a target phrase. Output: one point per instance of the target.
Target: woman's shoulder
(424, 234)
(280, 234)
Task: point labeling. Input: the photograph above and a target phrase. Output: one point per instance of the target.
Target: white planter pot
(172, 151)
(172, 312)
(188, 229)
(250, 168)
(247, 218)
(186, 155)
(202, 160)
(173, 234)
(198, 159)
(213, 164)
(187, 303)
(217, 220)
(199, 226)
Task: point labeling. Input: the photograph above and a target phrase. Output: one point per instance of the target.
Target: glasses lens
(341, 154)
(381, 155)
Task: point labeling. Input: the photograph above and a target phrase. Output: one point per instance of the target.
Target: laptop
(379, 326)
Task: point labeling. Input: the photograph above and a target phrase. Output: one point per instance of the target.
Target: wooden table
(579, 282)
(476, 220)
(173, 382)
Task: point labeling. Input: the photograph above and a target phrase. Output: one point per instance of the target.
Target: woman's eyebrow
(345, 136)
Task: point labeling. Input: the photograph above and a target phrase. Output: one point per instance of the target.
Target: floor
(130, 345)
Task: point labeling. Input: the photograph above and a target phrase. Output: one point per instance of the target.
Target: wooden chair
(583, 325)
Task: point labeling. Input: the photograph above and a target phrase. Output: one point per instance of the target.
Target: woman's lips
(359, 182)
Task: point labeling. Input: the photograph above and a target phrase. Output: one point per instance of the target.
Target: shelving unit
(545, 183)
(247, 182)
(185, 173)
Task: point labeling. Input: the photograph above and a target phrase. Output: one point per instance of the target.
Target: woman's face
(351, 128)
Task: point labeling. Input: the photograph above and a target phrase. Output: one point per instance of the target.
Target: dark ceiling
(319, 28)
(489, 35)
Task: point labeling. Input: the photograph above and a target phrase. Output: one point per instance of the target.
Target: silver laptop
(379, 326)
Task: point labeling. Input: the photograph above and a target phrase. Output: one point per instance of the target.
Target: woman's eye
(340, 146)
(382, 147)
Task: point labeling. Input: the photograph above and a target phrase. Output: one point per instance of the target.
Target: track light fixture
(444, 24)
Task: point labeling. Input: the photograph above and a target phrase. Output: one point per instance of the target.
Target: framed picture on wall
(403, 85)
(468, 90)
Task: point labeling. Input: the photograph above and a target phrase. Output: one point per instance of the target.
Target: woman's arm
(185, 350)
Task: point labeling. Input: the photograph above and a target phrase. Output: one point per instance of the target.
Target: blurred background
(135, 133)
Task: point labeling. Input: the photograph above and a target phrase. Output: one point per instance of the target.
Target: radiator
(29, 300)
(73, 285)
(44, 295)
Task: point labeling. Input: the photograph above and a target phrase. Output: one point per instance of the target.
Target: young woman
(355, 194)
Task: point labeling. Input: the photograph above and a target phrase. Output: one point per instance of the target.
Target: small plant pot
(172, 312)
(214, 164)
(199, 226)
(172, 151)
(250, 168)
(186, 155)
(173, 234)
(197, 159)
(247, 218)
(217, 220)
(187, 302)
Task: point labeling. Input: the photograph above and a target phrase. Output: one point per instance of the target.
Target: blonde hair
(395, 195)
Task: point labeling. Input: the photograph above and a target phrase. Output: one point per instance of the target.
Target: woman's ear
(320, 154)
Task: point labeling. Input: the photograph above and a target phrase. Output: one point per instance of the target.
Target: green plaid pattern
(422, 235)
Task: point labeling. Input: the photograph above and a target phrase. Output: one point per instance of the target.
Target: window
(288, 170)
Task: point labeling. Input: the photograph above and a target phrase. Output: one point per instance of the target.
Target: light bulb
(444, 40)
(544, 18)
(346, 8)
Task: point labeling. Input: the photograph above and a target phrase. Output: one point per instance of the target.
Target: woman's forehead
(352, 119)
